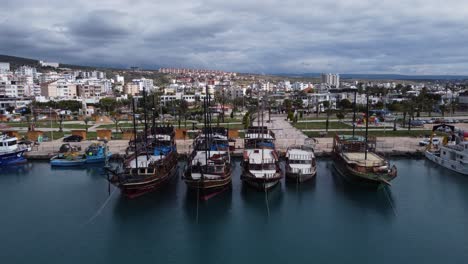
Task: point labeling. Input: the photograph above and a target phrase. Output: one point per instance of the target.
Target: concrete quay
(391, 146)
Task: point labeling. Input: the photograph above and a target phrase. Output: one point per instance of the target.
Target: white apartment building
(26, 71)
(119, 79)
(144, 83)
(236, 92)
(331, 79)
(4, 67)
(49, 76)
(49, 64)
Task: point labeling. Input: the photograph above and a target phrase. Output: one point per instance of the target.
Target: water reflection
(151, 203)
(379, 200)
(262, 202)
(21, 169)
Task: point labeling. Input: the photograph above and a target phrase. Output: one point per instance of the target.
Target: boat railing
(364, 162)
(265, 161)
(306, 157)
(266, 175)
(300, 170)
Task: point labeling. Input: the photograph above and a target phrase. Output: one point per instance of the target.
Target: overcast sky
(407, 37)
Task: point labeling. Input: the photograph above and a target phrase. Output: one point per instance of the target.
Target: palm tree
(116, 119)
(86, 121)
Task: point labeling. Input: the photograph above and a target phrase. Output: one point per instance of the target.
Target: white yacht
(300, 163)
(450, 155)
(454, 157)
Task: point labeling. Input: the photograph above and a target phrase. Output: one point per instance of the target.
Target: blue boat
(97, 153)
(10, 152)
(68, 160)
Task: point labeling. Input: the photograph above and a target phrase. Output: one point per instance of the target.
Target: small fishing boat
(97, 153)
(10, 152)
(300, 163)
(260, 163)
(452, 154)
(68, 159)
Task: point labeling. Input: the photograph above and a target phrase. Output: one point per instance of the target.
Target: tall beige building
(58, 89)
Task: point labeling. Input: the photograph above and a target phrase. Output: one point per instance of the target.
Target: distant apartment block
(49, 76)
(49, 64)
(4, 67)
(331, 79)
(27, 71)
(144, 83)
(186, 71)
(58, 89)
(119, 79)
(90, 75)
(131, 88)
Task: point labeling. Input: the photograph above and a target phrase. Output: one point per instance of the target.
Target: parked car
(425, 142)
(444, 129)
(417, 123)
(73, 138)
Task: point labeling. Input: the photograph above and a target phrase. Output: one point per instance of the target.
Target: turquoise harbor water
(65, 216)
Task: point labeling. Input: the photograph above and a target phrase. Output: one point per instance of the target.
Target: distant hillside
(381, 76)
(16, 62)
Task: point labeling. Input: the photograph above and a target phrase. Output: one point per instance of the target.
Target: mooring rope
(98, 212)
(389, 201)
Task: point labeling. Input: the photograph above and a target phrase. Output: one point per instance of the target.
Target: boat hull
(355, 178)
(137, 189)
(296, 177)
(208, 188)
(66, 163)
(12, 158)
(260, 183)
(94, 159)
(449, 164)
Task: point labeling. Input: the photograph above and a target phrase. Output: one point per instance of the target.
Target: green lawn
(321, 125)
(380, 133)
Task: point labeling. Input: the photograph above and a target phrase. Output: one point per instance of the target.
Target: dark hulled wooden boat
(148, 167)
(209, 169)
(356, 160)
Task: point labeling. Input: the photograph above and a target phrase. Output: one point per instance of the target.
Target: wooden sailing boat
(260, 164)
(355, 159)
(152, 163)
(209, 169)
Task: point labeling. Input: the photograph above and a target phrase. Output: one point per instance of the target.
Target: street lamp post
(51, 129)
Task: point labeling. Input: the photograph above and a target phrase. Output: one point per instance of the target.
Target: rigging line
(389, 200)
(98, 212)
(266, 200)
(198, 198)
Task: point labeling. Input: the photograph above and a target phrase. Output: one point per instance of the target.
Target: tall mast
(367, 120)
(146, 119)
(354, 113)
(160, 111)
(263, 136)
(205, 125)
(135, 135)
(153, 129)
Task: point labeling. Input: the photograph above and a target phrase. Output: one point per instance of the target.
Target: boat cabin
(8, 144)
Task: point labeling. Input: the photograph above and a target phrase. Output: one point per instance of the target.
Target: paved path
(286, 134)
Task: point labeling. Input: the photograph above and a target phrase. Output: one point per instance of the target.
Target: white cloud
(423, 37)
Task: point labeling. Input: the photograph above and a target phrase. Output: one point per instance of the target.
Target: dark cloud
(408, 37)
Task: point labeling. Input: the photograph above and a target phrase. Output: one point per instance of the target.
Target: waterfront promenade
(285, 138)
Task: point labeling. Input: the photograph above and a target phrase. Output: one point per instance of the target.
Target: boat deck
(359, 158)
